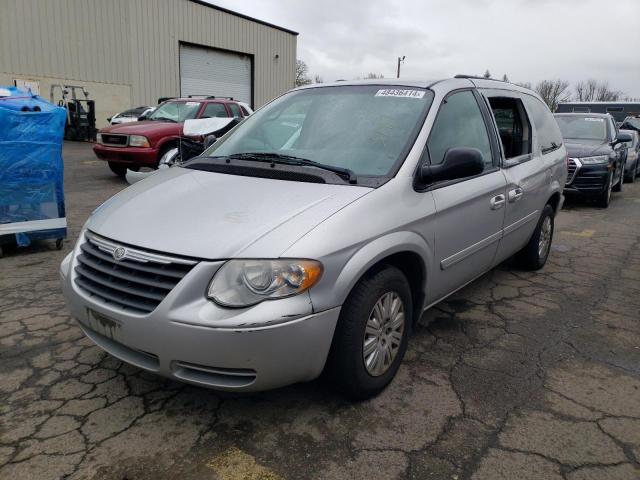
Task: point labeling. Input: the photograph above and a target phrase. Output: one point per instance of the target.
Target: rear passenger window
(235, 110)
(513, 125)
(549, 135)
(213, 110)
(459, 124)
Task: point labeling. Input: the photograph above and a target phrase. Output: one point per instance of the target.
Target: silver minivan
(314, 235)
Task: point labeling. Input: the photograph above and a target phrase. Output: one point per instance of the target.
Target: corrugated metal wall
(136, 43)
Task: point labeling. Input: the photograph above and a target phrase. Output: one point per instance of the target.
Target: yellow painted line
(234, 464)
(584, 233)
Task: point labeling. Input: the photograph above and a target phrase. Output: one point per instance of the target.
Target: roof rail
(208, 97)
(477, 77)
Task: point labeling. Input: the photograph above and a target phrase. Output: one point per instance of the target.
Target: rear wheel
(372, 334)
(632, 176)
(121, 170)
(534, 255)
(604, 199)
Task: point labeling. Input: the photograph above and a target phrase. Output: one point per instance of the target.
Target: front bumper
(189, 338)
(588, 180)
(135, 156)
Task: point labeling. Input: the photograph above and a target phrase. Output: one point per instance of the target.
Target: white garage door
(206, 71)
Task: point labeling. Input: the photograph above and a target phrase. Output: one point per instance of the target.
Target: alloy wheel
(383, 334)
(544, 241)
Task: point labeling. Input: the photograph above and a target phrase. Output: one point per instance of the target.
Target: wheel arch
(406, 251)
(554, 201)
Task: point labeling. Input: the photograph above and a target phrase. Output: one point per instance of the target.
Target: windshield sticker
(591, 119)
(394, 92)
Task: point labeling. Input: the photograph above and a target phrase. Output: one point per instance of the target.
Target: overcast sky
(529, 40)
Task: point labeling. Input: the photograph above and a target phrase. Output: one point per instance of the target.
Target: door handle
(515, 194)
(497, 202)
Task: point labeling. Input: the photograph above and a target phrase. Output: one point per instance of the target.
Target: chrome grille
(572, 168)
(125, 277)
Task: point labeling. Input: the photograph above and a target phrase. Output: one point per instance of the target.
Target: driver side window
(459, 124)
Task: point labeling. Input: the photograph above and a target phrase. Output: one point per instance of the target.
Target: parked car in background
(131, 115)
(141, 144)
(597, 153)
(245, 271)
(618, 110)
(631, 123)
(632, 165)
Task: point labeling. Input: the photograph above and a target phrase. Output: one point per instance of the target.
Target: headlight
(138, 141)
(600, 159)
(99, 138)
(242, 283)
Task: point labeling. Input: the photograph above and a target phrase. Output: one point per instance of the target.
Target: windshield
(367, 129)
(583, 128)
(176, 111)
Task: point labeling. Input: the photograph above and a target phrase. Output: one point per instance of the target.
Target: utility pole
(399, 61)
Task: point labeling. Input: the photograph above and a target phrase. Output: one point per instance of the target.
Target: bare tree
(487, 74)
(593, 91)
(301, 74)
(373, 76)
(553, 92)
(505, 78)
(604, 94)
(525, 85)
(586, 90)
(317, 79)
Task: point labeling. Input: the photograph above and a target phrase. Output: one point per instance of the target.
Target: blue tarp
(31, 168)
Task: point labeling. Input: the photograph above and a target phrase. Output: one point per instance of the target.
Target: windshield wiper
(292, 160)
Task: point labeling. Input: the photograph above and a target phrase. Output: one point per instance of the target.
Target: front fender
(345, 268)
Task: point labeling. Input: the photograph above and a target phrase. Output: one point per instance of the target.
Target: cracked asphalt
(518, 376)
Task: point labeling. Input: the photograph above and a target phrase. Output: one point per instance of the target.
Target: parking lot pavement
(518, 376)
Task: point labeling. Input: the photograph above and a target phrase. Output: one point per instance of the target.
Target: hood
(587, 149)
(146, 128)
(216, 216)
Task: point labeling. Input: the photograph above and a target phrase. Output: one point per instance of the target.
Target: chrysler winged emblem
(119, 253)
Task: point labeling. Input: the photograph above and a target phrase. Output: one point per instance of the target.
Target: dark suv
(142, 144)
(596, 155)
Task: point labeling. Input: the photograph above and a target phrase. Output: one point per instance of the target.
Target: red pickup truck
(142, 144)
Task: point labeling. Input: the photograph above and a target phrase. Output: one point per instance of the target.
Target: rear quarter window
(549, 135)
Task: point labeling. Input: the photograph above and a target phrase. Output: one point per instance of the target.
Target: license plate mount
(103, 325)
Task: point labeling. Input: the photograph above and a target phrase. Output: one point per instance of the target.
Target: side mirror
(459, 162)
(623, 137)
(210, 140)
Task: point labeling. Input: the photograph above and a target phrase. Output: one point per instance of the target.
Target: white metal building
(128, 53)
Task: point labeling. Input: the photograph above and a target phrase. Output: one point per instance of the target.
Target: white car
(130, 115)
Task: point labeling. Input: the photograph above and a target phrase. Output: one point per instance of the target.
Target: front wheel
(534, 255)
(604, 199)
(372, 334)
(618, 186)
(121, 170)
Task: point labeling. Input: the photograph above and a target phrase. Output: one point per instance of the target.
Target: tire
(346, 367)
(618, 186)
(163, 151)
(534, 255)
(632, 178)
(604, 199)
(121, 170)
